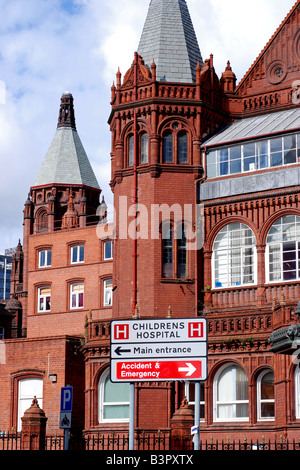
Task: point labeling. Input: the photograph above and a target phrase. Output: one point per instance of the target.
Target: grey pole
(131, 416)
(66, 439)
(196, 437)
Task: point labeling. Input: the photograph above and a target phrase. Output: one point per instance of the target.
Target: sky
(51, 46)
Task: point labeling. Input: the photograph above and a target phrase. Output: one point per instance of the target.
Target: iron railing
(146, 441)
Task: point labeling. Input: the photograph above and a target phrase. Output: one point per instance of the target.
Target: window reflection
(251, 156)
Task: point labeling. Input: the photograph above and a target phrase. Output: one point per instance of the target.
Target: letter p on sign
(66, 399)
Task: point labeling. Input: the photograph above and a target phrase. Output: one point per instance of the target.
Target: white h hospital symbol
(121, 331)
(195, 330)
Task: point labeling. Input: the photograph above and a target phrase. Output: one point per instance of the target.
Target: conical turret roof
(169, 38)
(66, 161)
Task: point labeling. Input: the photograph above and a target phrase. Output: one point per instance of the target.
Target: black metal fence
(153, 440)
(144, 440)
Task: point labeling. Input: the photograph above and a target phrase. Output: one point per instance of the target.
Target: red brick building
(182, 139)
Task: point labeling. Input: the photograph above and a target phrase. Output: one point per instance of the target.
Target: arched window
(167, 251)
(27, 390)
(168, 147)
(231, 397)
(181, 252)
(114, 400)
(144, 148)
(76, 295)
(130, 150)
(44, 299)
(283, 250)
(265, 396)
(182, 147)
(234, 256)
(42, 222)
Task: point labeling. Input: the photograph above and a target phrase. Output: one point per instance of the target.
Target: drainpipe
(135, 188)
(197, 181)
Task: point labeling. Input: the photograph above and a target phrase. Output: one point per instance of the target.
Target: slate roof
(66, 161)
(169, 38)
(258, 126)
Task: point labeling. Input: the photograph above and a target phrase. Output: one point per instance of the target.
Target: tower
(65, 195)
(167, 101)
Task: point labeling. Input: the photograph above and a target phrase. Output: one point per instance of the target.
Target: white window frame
(47, 253)
(76, 249)
(229, 257)
(106, 291)
(260, 401)
(104, 250)
(76, 295)
(280, 242)
(102, 403)
(28, 388)
(44, 297)
(232, 402)
(213, 166)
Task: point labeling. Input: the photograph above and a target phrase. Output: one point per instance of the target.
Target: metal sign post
(131, 417)
(196, 437)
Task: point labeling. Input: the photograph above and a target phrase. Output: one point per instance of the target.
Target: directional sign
(158, 350)
(160, 370)
(66, 407)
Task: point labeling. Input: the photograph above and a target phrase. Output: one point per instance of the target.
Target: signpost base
(131, 419)
(196, 437)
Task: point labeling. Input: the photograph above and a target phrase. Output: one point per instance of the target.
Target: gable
(278, 65)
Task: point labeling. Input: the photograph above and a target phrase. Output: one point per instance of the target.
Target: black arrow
(119, 351)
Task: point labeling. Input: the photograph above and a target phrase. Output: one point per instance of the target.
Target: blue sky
(50, 46)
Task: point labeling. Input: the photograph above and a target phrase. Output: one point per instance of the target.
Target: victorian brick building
(191, 152)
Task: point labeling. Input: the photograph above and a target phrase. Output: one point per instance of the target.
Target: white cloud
(47, 47)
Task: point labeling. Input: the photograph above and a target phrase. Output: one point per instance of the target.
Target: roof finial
(66, 116)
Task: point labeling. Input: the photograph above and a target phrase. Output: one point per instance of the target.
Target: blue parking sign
(66, 399)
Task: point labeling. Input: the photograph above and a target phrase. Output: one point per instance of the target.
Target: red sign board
(159, 370)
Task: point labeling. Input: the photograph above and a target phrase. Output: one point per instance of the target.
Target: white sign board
(158, 349)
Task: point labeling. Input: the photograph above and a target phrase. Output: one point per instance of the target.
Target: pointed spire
(66, 116)
(66, 161)
(169, 39)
